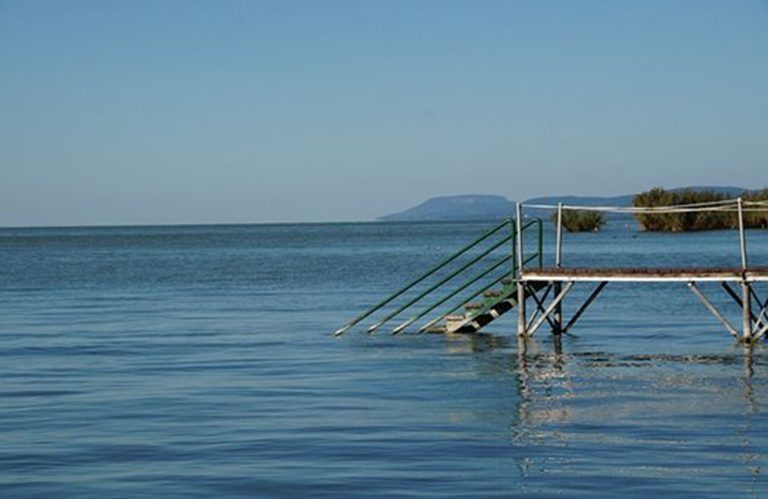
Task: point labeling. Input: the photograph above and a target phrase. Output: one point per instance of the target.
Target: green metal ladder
(493, 288)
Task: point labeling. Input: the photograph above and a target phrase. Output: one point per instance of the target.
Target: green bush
(700, 220)
(581, 220)
(756, 219)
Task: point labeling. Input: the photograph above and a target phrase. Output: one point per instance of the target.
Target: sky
(163, 112)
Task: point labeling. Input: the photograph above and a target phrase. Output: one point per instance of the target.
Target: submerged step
(436, 329)
(451, 322)
(494, 309)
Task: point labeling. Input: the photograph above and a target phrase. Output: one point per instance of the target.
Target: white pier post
(521, 315)
(742, 236)
(558, 313)
(746, 308)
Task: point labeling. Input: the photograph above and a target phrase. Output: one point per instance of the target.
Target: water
(198, 362)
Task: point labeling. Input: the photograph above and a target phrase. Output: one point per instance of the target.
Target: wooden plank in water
(576, 274)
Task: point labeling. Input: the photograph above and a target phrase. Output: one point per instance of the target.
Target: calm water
(198, 362)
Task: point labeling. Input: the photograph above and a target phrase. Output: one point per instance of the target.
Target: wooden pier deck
(562, 280)
(585, 274)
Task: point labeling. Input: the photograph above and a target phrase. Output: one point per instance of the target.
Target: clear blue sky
(143, 112)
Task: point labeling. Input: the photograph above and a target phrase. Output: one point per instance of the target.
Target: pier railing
(739, 207)
(446, 280)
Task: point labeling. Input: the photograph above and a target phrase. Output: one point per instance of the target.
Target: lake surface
(198, 361)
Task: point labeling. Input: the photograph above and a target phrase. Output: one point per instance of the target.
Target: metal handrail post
(521, 316)
(540, 225)
(742, 235)
(559, 237)
(519, 225)
(558, 285)
(746, 306)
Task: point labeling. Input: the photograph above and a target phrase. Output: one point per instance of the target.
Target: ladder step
(475, 321)
(492, 294)
(473, 306)
(435, 329)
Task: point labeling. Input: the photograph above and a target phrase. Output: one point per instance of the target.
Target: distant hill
(463, 207)
(492, 207)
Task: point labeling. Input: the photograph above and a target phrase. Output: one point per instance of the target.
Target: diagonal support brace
(762, 318)
(760, 333)
(557, 299)
(539, 304)
(729, 290)
(712, 309)
(598, 289)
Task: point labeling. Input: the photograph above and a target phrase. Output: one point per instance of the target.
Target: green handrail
(513, 272)
(513, 260)
(454, 293)
(539, 246)
(437, 285)
(469, 298)
(416, 281)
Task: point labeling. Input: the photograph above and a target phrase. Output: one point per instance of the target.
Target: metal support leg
(586, 304)
(539, 305)
(521, 317)
(712, 309)
(522, 329)
(728, 289)
(557, 328)
(746, 315)
(557, 299)
(557, 316)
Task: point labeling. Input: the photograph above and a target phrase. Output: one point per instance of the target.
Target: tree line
(699, 220)
(581, 220)
(589, 221)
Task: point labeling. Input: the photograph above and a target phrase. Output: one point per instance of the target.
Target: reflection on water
(541, 371)
(651, 419)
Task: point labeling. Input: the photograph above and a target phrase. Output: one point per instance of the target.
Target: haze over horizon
(155, 112)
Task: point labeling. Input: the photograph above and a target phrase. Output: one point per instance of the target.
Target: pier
(561, 279)
(519, 280)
